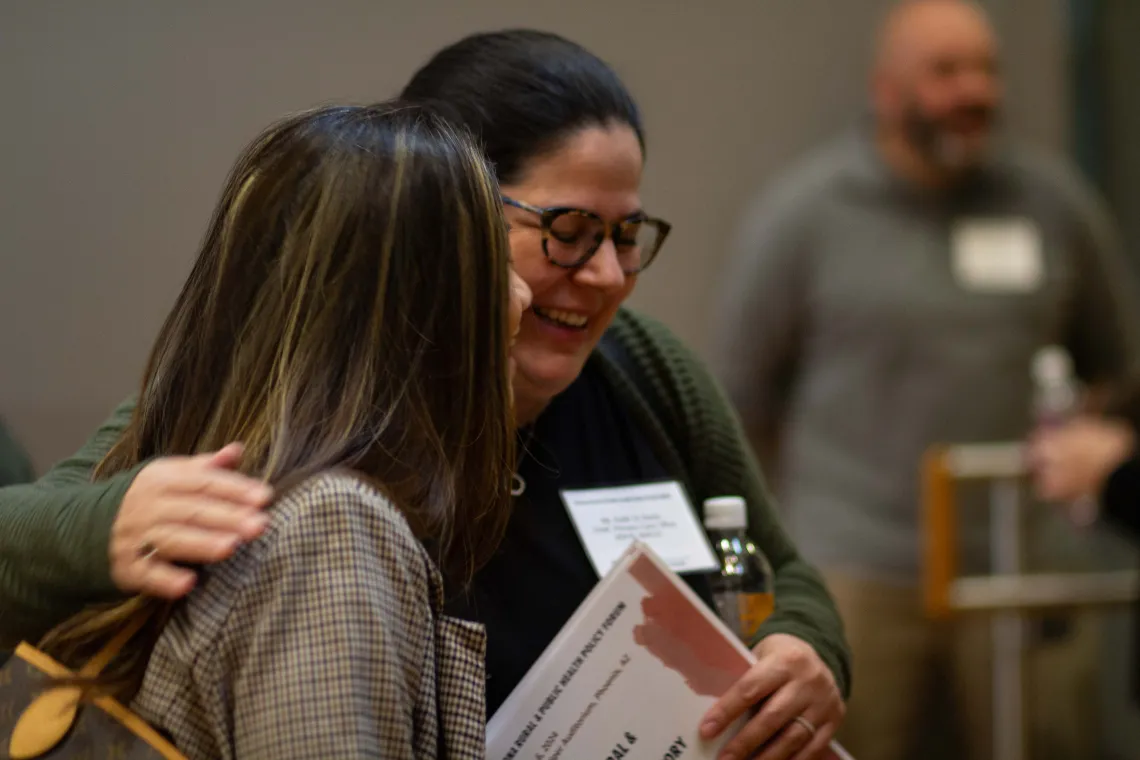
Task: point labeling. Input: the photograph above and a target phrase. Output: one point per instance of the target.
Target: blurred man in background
(888, 294)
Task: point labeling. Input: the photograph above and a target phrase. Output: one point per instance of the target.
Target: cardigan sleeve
(54, 535)
(15, 466)
(709, 437)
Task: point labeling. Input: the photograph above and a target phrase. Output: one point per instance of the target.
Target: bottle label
(752, 610)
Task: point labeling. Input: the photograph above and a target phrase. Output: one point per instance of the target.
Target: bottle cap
(1052, 364)
(726, 513)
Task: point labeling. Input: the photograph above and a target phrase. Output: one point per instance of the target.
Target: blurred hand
(192, 510)
(1073, 461)
(791, 681)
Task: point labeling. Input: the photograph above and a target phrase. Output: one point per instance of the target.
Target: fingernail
(224, 548)
(256, 523)
(709, 728)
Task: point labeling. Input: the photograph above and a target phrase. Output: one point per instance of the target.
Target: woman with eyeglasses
(604, 397)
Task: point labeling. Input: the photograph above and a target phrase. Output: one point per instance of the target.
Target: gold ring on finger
(146, 551)
(806, 724)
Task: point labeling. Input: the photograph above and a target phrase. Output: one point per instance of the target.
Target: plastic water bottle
(1055, 396)
(743, 589)
(1054, 386)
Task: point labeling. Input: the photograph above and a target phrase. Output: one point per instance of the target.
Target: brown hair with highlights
(348, 310)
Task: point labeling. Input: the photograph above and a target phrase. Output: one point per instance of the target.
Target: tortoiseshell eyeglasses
(570, 236)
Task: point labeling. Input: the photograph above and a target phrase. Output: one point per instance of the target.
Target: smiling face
(597, 169)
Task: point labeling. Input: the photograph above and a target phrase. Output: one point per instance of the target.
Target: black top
(1120, 501)
(541, 572)
(1121, 497)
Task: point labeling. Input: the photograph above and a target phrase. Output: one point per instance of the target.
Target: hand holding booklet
(629, 676)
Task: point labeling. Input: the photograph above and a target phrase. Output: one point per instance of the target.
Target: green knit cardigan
(15, 467)
(54, 533)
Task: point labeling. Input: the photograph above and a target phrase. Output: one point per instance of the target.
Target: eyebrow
(637, 212)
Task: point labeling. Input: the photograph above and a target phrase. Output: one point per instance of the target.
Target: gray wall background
(121, 119)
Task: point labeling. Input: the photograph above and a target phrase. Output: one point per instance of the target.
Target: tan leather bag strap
(50, 716)
(103, 657)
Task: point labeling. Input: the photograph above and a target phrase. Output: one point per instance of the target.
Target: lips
(561, 318)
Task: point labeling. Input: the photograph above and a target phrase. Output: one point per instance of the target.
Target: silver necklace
(518, 483)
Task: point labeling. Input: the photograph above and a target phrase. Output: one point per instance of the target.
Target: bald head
(935, 80)
(915, 29)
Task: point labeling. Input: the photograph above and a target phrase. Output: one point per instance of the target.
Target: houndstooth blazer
(322, 639)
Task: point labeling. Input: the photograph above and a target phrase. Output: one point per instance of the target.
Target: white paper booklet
(629, 676)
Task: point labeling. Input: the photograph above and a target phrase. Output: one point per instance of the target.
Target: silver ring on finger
(146, 551)
(806, 724)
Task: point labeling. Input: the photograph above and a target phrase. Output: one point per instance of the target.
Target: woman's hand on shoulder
(796, 701)
(184, 510)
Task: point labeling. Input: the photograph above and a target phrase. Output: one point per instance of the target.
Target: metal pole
(1008, 637)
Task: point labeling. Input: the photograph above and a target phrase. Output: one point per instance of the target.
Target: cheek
(527, 257)
(930, 100)
(946, 105)
(520, 300)
(531, 265)
(514, 317)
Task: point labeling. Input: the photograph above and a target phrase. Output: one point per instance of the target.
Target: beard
(937, 140)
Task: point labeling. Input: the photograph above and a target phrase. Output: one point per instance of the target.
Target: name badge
(608, 520)
(997, 255)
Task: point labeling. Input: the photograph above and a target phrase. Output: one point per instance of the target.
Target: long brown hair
(348, 309)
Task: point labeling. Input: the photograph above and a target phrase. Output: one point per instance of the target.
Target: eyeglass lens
(575, 235)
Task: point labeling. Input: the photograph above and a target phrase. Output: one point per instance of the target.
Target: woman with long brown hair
(349, 320)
